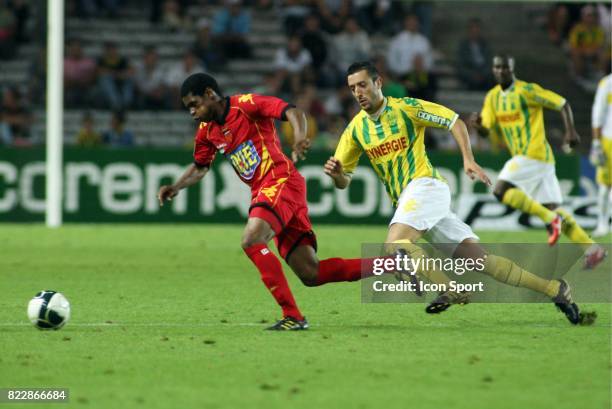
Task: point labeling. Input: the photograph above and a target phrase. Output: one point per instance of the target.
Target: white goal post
(55, 111)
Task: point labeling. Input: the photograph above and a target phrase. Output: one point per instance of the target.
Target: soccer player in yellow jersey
(391, 133)
(528, 182)
(601, 152)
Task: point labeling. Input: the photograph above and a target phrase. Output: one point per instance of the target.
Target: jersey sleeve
(536, 95)
(487, 114)
(433, 115)
(203, 150)
(598, 113)
(262, 106)
(348, 150)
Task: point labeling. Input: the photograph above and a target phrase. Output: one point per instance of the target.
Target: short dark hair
(364, 65)
(196, 84)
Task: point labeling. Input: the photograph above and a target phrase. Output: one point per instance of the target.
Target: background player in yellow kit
(601, 152)
(391, 131)
(528, 181)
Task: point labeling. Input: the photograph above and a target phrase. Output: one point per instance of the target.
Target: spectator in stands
(117, 135)
(21, 11)
(333, 14)
(98, 8)
(561, 18)
(115, 78)
(79, 75)
(405, 46)
(173, 17)
(423, 9)
(7, 32)
(350, 45)
(473, 58)
(177, 73)
(419, 82)
(315, 41)
(231, 27)
(15, 119)
(37, 78)
(587, 43)
(605, 18)
(374, 15)
(293, 65)
(302, 102)
(88, 137)
(315, 106)
(270, 86)
(390, 86)
(150, 78)
(205, 48)
(293, 13)
(341, 103)
(264, 5)
(157, 9)
(327, 139)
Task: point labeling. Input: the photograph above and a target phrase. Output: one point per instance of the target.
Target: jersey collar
(376, 115)
(227, 108)
(509, 89)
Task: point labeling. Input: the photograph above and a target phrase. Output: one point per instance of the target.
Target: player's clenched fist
(166, 192)
(333, 167)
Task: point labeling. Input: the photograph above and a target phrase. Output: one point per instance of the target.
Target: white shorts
(536, 178)
(425, 205)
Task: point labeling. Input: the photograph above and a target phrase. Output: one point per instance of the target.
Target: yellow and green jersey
(394, 141)
(517, 115)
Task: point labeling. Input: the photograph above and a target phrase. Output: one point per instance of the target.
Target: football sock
(603, 204)
(272, 276)
(506, 271)
(333, 270)
(573, 231)
(416, 252)
(519, 200)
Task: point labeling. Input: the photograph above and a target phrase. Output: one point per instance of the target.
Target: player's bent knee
(499, 192)
(308, 273)
(249, 240)
(309, 280)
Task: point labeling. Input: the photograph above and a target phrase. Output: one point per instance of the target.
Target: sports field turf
(172, 317)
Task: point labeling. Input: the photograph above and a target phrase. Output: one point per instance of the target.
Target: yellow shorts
(604, 173)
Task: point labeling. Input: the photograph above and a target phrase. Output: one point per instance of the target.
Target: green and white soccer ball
(49, 310)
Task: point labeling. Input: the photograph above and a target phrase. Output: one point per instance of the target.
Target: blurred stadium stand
(511, 27)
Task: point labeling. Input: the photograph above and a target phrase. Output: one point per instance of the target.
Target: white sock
(603, 204)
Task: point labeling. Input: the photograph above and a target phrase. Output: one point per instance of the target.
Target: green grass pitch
(172, 317)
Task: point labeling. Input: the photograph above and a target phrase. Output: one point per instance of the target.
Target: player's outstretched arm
(191, 176)
(333, 168)
(297, 119)
(471, 168)
(571, 137)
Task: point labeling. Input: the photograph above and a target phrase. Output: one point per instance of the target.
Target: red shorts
(282, 204)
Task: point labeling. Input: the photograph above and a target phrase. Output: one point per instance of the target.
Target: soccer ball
(49, 310)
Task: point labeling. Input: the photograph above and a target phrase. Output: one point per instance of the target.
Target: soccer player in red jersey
(241, 128)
